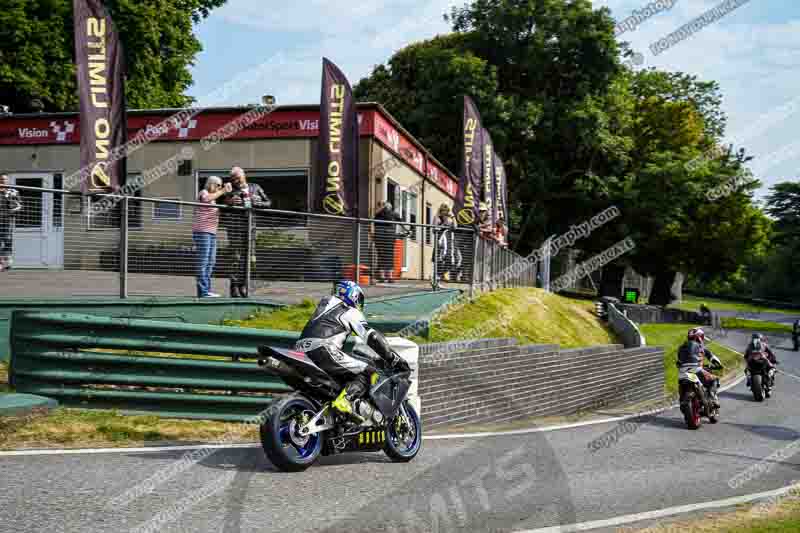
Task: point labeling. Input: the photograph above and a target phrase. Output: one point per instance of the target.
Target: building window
(185, 168)
(393, 194)
(111, 217)
(58, 201)
(428, 220)
(410, 212)
(288, 189)
(166, 211)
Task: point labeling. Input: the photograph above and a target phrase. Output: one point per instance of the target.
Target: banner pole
(123, 249)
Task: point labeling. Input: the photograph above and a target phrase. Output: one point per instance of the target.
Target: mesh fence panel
(146, 246)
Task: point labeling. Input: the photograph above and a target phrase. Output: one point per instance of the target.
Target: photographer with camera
(245, 196)
(9, 207)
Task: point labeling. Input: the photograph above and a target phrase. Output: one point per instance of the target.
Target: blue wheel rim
(285, 438)
(414, 422)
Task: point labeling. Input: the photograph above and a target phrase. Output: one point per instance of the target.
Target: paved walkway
(73, 283)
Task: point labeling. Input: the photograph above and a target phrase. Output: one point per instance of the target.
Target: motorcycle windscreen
(389, 393)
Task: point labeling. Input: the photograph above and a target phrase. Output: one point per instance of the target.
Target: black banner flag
(466, 205)
(501, 188)
(487, 183)
(338, 145)
(101, 93)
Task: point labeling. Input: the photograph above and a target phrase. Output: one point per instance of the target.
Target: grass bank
(692, 303)
(529, 315)
(671, 336)
(532, 316)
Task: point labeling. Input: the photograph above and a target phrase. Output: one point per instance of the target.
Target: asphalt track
(517, 482)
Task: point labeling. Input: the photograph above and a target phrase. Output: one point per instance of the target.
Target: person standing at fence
(384, 241)
(204, 234)
(247, 196)
(485, 225)
(9, 207)
(501, 231)
(448, 257)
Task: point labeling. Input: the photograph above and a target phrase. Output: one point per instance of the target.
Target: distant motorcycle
(761, 376)
(302, 426)
(695, 401)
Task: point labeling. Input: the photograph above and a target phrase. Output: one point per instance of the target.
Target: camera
(240, 190)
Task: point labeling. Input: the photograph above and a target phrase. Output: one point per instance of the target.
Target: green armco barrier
(50, 356)
(175, 309)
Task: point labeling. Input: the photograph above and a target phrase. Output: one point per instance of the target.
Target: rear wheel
(404, 434)
(281, 439)
(758, 391)
(691, 411)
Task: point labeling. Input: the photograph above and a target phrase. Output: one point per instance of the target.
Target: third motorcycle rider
(691, 355)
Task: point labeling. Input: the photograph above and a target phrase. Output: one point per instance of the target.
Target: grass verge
(79, 428)
(290, 318)
(756, 325)
(783, 517)
(4, 387)
(692, 303)
(671, 336)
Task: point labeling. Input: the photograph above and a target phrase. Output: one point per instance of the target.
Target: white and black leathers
(324, 336)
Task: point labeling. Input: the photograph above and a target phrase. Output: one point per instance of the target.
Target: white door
(38, 228)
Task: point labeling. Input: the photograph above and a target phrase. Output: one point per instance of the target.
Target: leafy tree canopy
(37, 70)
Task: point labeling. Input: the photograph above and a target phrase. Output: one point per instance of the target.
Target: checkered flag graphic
(62, 131)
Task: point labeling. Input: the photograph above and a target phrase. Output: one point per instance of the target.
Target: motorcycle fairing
(389, 392)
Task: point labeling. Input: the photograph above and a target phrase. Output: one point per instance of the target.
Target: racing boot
(344, 402)
(713, 396)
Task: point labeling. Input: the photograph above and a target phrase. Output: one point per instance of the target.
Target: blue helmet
(350, 293)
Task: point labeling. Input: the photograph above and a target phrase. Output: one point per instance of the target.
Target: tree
(666, 207)
(580, 132)
(539, 72)
(783, 203)
(37, 71)
(423, 85)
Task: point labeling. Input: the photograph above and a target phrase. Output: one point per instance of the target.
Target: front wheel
(757, 386)
(404, 434)
(281, 439)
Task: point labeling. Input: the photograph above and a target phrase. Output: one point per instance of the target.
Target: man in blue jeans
(204, 234)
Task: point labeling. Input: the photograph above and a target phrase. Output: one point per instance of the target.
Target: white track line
(146, 449)
(661, 513)
(547, 429)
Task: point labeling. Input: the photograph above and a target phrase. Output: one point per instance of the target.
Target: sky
(753, 52)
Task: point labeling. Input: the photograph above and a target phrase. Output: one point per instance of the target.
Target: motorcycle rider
(758, 345)
(322, 339)
(690, 359)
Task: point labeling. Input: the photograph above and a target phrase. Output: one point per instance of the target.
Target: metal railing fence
(137, 245)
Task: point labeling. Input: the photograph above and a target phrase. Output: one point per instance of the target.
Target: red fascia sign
(278, 124)
(291, 124)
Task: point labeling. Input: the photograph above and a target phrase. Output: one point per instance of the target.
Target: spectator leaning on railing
(9, 207)
(244, 195)
(485, 225)
(204, 234)
(448, 255)
(501, 231)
